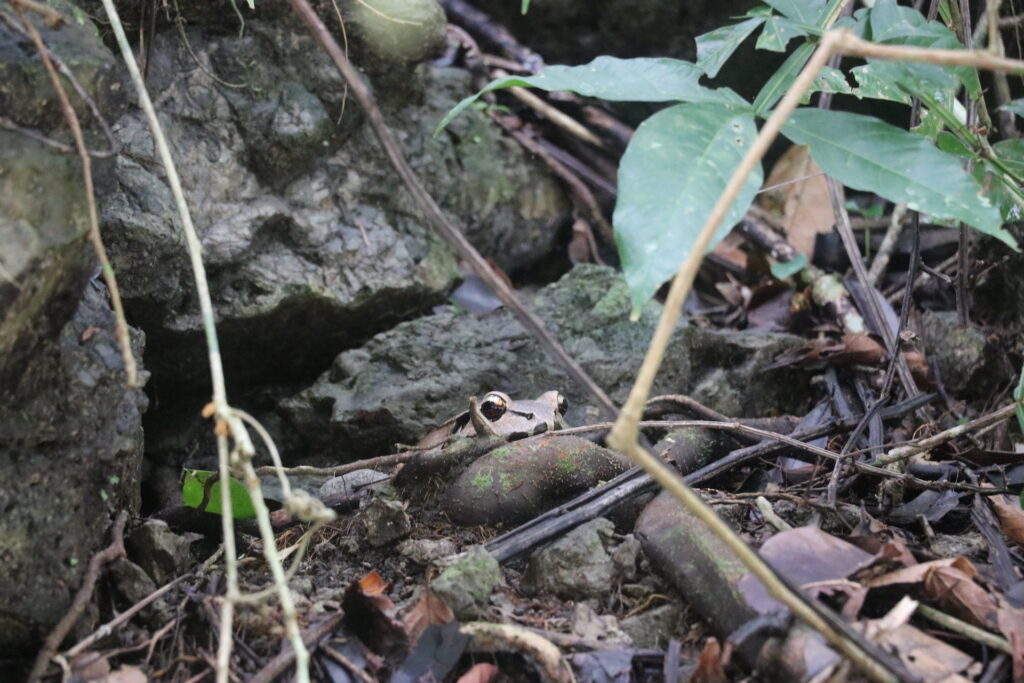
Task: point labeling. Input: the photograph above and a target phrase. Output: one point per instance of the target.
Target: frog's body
(508, 418)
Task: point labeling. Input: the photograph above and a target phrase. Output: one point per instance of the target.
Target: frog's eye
(563, 405)
(494, 406)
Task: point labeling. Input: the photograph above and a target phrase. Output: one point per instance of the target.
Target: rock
(353, 482)
(163, 554)
(398, 31)
(70, 457)
(427, 550)
(589, 625)
(385, 520)
(466, 585)
(653, 628)
(578, 565)
(133, 584)
(404, 382)
(968, 365)
(311, 243)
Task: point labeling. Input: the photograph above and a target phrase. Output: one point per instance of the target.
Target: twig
(228, 422)
(904, 452)
(881, 261)
(969, 631)
(82, 597)
(432, 212)
(503, 637)
(121, 325)
(311, 635)
(108, 628)
(367, 464)
(53, 18)
(552, 114)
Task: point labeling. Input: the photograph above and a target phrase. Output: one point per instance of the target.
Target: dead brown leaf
(801, 198)
(960, 595)
(1011, 517)
(709, 664)
(429, 610)
(480, 673)
(373, 584)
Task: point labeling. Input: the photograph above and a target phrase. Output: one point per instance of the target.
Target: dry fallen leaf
(961, 596)
(480, 673)
(709, 665)
(373, 584)
(429, 610)
(1011, 517)
(801, 198)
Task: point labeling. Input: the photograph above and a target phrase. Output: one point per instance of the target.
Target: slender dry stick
(624, 435)
(228, 421)
(120, 324)
(433, 213)
(904, 452)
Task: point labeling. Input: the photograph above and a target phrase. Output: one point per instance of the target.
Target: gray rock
(967, 363)
(576, 566)
(589, 625)
(404, 382)
(163, 554)
(466, 585)
(70, 457)
(350, 482)
(311, 244)
(398, 31)
(653, 628)
(385, 520)
(426, 550)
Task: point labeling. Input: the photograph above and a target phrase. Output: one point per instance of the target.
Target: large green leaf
(621, 80)
(776, 87)
(806, 12)
(193, 488)
(670, 177)
(777, 33)
(715, 47)
(893, 24)
(871, 155)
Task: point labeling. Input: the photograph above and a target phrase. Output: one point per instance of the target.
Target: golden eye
(563, 405)
(494, 406)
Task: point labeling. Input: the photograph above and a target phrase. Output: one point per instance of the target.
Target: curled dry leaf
(483, 672)
(1011, 518)
(709, 665)
(801, 198)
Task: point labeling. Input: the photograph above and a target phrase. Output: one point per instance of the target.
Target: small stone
(576, 566)
(653, 628)
(163, 554)
(426, 550)
(588, 624)
(466, 585)
(353, 482)
(385, 520)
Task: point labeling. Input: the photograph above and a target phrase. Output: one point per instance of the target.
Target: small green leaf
(715, 47)
(525, 6)
(619, 80)
(194, 486)
(782, 269)
(780, 81)
(777, 33)
(871, 155)
(670, 177)
(831, 80)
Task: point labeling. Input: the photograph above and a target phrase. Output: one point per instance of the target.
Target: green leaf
(872, 86)
(193, 489)
(782, 269)
(892, 24)
(1016, 107)
(777, 33)
(619, 80)
(524, 7)
(670, 177)
(1003, 189)
(780, 81)
(871, 155)
(715, 47)
(806, 12)
(831, 80)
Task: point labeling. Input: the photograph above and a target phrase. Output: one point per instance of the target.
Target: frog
(505, 417)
